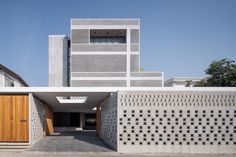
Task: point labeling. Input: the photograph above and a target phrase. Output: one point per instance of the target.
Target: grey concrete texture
(105, 22)
(98, 83)
(146, 83)
(97, 48)
(103, 154)
(177, 121)
(98, 74)
(58, 60)
(79, 36)
(71, 141)
(98, 63)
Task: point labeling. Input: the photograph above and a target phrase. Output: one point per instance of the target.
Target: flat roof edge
(110, 89)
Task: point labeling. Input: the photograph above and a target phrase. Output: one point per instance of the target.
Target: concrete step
(13, 146)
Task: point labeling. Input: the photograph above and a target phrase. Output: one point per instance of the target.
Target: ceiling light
(72, 99)
(95, 108)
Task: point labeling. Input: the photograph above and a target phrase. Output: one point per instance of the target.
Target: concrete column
(98, 118)
(81, 120)
(128, 58)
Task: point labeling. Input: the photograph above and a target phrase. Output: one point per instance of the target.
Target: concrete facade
(98, 70)
(58, 61)
(102, 53)
(157, 120)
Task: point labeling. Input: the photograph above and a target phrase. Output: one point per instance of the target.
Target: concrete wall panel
(98, 83)
(37, 119)
(99, 48)
(58, 61)
(80, 36)
(104, 22)
(177, 121)
(108, 127)
(134, 38)
(98, 63)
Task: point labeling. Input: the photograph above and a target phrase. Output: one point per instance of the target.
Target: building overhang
(94, 95)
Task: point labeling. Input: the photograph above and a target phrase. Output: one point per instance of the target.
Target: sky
(179, 37)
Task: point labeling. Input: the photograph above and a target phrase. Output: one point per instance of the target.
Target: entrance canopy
(73, 101)
(66, 99)
(93, 96)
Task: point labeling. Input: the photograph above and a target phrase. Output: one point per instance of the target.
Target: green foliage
(141, 69)
(188, 83)
(202, 83)
(221, 73)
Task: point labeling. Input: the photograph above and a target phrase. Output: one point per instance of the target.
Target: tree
(188, 83)
(202, 83)
(221, 73)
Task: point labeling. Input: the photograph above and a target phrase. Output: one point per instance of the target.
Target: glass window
(9, 82)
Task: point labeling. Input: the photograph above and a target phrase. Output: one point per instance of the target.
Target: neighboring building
(99, 53)
(182, 81)
(8, 78)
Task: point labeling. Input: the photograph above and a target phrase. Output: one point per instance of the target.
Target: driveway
(74, 141)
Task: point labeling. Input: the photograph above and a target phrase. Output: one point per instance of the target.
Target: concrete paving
(73, 141)
(85, 144)
(104, 154)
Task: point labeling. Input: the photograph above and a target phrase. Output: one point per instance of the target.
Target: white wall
(1, 79)
(177, 121)
(17, 83)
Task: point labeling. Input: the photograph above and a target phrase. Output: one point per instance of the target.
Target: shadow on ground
(73, 141)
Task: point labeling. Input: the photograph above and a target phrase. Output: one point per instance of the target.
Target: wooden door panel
(14, 123)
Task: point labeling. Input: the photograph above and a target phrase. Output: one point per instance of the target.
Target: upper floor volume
(99, 53)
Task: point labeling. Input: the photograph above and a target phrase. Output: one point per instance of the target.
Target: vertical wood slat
(14, 121)
(48, 120)
(1, 119)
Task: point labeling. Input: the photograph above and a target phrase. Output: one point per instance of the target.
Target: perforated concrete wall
(108, 130)
(98, 83)
(177, 121)
(98, 63)
(96, 48)
(37, 119)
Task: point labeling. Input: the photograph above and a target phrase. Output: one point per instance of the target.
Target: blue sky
(179, 37)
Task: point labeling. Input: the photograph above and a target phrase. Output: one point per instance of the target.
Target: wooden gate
(14, 118)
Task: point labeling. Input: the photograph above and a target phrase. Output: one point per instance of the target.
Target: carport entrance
(75, 119)
(71, 141)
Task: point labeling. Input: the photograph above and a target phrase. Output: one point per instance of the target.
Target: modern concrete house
(98, 53)
(95, 72)
(8, 78)
(182, 81)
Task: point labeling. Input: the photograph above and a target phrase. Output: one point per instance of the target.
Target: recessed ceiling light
(95, 108)
(72, 99)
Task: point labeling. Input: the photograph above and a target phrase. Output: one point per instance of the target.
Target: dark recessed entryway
(66, 119)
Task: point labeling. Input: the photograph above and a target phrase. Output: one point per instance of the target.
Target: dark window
(107, 36)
